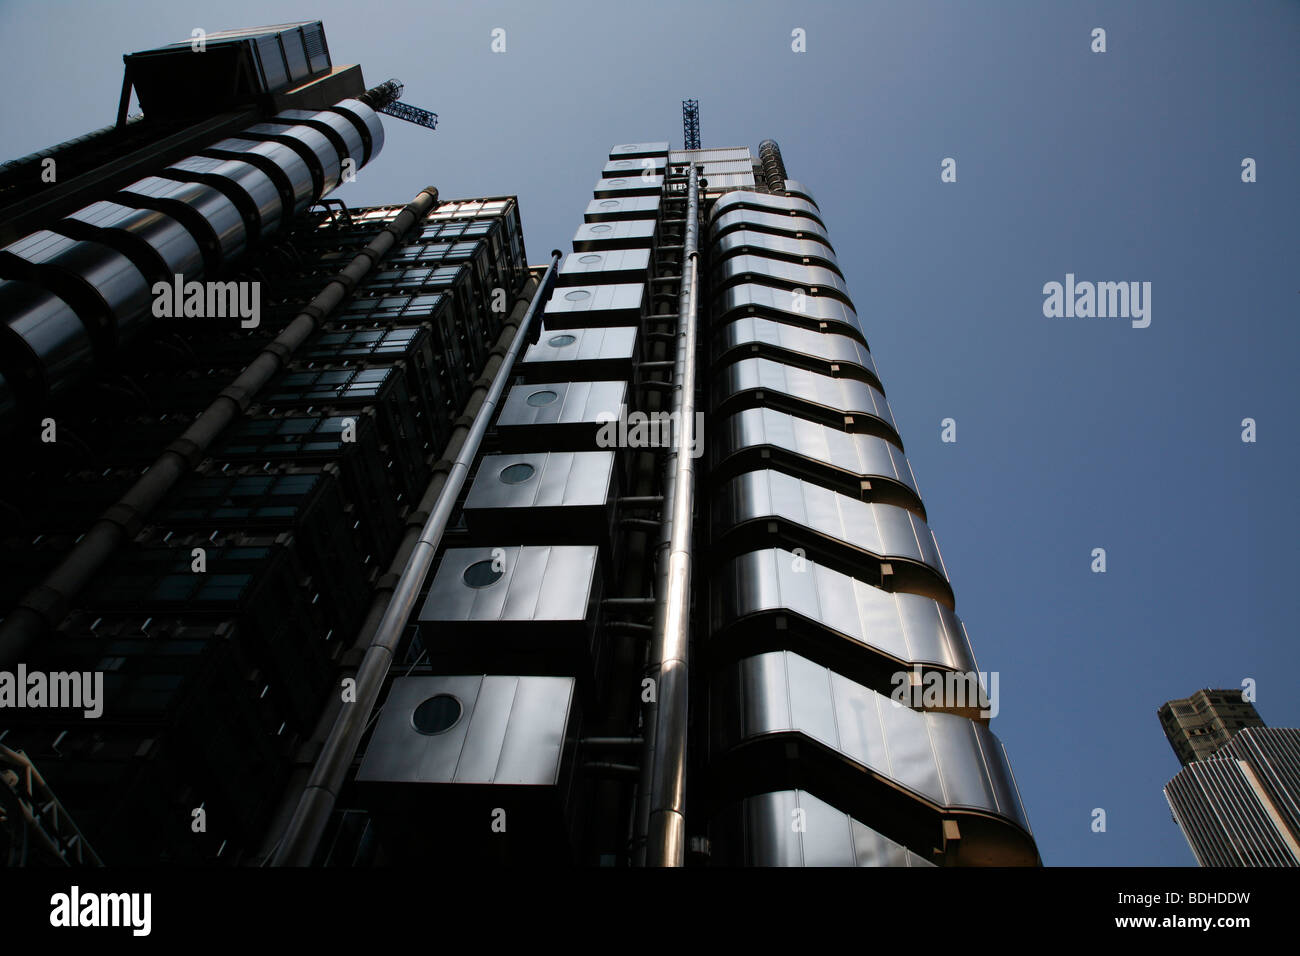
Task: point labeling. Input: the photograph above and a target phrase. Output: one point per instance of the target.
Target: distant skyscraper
(1240, 806)
(1199, 725)
(444, 558)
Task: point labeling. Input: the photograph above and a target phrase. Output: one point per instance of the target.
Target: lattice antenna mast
(691, 123)
(384, 98)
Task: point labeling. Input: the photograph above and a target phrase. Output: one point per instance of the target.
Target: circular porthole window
(517, 473)
(610, 203)
(559, 341)
(577, 295)
(544, 397)
(590, 257)
(437, 715)
(621, 162)
(618, 182)
(480, 574)
(601, 227)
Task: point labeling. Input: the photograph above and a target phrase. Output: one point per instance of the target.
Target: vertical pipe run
(303, 833)
(664, 764)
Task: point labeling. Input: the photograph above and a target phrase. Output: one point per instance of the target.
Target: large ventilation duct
(80, 290)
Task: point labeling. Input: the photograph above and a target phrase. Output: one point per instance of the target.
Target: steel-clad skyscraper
(1237, 798)
(612, 561)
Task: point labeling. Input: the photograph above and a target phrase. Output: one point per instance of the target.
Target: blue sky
(1072, 434)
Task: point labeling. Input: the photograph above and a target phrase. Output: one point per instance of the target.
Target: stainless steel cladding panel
(344, 131)
(757, 831)
(110, 276)
(483, 747)
(54, 339)
(776, 247)
(595, 305)
(561, 479)
(261, 193)
(795, 188)
(614, 265)
(290, 164)
(561, 416)
(216, 211)
(626, 207)
(483, 729)
(520, 585)
(370, 120)
(523, 498)
(528, 609)
(631, 186)
(949, 761)
(848, 462)
(820, 312)
(638, 150)
(781, 205)
(798, 227)
(908, 628)
(319, 149)
(581, 355)
(825, 352)
(841, 402)
(816, 280)
(628, 234)
(616, 168)
(845, 524)
(174, 248)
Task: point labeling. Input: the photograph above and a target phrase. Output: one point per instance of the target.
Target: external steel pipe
(663, 788)
(303, 833)
(45, 606)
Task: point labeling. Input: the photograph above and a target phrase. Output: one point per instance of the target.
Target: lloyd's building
(610, 560)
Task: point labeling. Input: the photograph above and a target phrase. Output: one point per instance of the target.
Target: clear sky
(1072, 433)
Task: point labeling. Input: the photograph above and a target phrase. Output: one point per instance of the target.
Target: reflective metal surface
(583, 404)
(528, 584)
(824, 352)
(315, 147)
(624, 207)
(631, 186)
(845, 403)
(760, 831)
(634, 167)
(595, 305)
(800, 227)
(943, 761)
(59, 345)
(886, 630)
(782, 205)
(815, 280)
(343, 128)
(369, 119)
(524, 485)
(772, 246)
(582, 354)
(262, 194)
(796, 188)
(628, 234)
(224, 226)
(510, 731)
(857, 529)
(809, 311)
(174, 248)
(637, 150)
(612, 265)
(825, 455)
(292, 168)
(110, 276)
